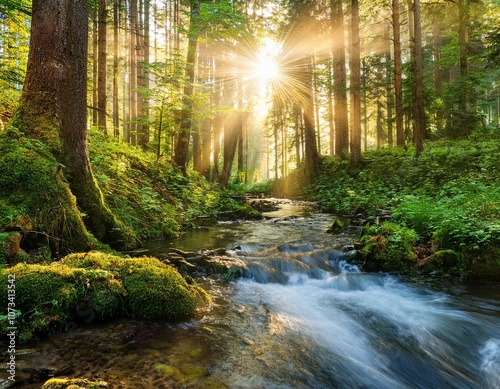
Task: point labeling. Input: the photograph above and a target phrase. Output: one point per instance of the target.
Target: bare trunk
(339, 80)
(355, 60)
(133, 73)
(418, 106)
(116, 108)
(182, 146)
(398, 80)
(102, 95)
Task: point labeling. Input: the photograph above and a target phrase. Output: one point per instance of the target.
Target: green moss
(104, 285)
(50, 295)
(389, 247)
(70, 383)
(157, 291)
(34, 195)
(154, 290)
(447, 262)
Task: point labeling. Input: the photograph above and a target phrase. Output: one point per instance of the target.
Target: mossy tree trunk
(53, 104)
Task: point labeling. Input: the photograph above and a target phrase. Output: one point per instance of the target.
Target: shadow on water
(301, 316)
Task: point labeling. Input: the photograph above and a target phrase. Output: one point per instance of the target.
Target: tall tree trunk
(398, 79)
(206, 138)
(311, 157)
(133, 72)
(116, 108)
(365, 106)
(182, 146)
(95, 65)
(231, 131)
(298, 127)
(53, 104)
(388, 84)
(330, 110)
(217, 130)
(418, 101)
(463, 37)
(355, 60)
(380, 126)
(339, 80)
(142, 48)
(102, 80)
(410, 114)
(316, 100)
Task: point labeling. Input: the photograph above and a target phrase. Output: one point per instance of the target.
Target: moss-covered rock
(154, 290)
(97, 286)
(447, 262)
(388, 247)
(73, 383)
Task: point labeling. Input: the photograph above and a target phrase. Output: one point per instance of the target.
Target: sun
(266, 67)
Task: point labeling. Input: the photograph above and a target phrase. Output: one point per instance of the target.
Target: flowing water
(301, 316)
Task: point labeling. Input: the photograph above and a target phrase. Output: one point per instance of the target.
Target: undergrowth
(151, 196)
(449, 196)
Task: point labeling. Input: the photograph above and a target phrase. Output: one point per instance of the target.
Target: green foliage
(450, 195)
(152, 198)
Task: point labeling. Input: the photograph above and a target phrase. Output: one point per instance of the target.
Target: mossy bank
(150, 198)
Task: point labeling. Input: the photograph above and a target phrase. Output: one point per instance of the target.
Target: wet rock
(442, 261)
(337, 226)
(179, 262)
(139, 337)
(264, 205)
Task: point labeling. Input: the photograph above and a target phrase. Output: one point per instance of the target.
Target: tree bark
(398, 80)
(418, 103)
(53, 104)
(182, 146)
(339, 80)
(116, 108)
(101, 68)
(355, 60)
(388, 84)
(311, 157)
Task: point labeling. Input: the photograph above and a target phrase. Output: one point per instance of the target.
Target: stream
(301, 316)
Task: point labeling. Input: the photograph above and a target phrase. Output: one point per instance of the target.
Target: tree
(339, 79)
(53, 104)
(355, 61)
(398, 74)
(101, 66)
(418, 97)
(182, 145)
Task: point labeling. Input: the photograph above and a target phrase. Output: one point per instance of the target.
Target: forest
(124, 122)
